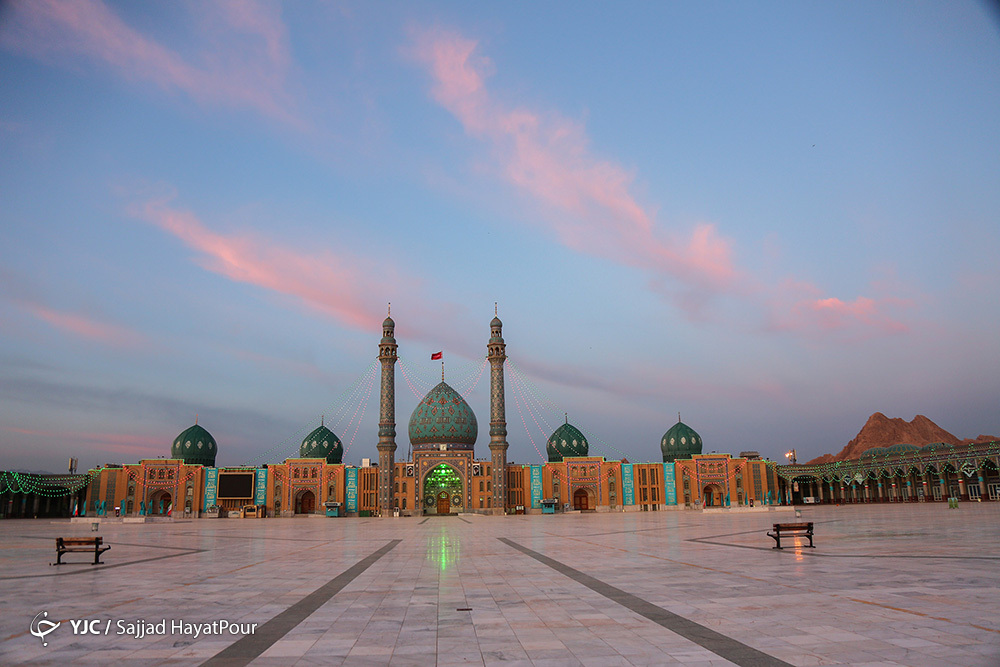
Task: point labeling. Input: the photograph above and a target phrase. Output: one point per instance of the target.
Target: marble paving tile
(886, 585)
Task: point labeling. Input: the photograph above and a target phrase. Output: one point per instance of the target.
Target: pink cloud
(322, 281)
(800, 307)
(549, 157)
(242, 73)
(593, 209)
(136, 445)
(85, 327)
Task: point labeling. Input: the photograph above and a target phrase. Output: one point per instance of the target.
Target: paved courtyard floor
(887, 585)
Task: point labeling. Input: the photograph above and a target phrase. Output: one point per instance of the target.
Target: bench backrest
(76, 541)
(793, 526)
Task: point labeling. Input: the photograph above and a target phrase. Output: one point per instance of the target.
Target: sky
(773, 219)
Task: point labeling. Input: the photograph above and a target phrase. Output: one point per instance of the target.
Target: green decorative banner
(351, 489)
(628, 485)
(536, 487)
(211, 486)
(669, 484)
(260, 490)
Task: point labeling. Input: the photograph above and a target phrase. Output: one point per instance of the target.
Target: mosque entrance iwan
(442, 490)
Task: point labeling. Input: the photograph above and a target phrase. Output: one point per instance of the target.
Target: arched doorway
(581, 500)
(305, 503)
(712, 495)
(442, 490)
(160, 503)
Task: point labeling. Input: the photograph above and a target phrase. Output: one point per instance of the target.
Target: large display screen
(235, 484)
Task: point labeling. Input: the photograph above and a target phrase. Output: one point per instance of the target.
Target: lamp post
(790, 456)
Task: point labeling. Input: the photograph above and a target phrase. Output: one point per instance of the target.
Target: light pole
(790, 456)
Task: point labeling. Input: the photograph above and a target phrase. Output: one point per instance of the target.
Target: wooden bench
(93, 545)
(792, 530)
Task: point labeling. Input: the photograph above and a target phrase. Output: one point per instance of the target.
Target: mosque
(444, 476)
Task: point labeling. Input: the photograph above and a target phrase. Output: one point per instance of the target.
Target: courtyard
(913, 584)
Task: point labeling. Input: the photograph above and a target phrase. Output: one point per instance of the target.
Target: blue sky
(774, 219)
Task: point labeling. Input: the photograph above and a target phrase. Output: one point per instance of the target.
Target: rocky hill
(881, 431)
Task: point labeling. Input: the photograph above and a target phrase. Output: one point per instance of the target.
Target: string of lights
(340, 406)
(363, 406)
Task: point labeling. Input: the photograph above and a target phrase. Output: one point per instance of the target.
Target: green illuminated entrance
(442, 491)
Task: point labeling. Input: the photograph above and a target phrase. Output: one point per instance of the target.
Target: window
(489, 486)
(404, 487)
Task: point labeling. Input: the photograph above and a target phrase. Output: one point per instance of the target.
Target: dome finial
(442, 370)
(196, 418)
(322, 420)
(389, 313)
(566, 415)
(495, 312)
(678, 417)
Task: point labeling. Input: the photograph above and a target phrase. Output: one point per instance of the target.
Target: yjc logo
(42, 627)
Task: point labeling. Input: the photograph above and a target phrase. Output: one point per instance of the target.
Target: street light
(790, 456)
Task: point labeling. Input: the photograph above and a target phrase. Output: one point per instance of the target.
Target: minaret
(387, 418)
(496, 353)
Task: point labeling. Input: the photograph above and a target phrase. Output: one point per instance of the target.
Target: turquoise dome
(680, 442)
(196, 446)
(322, 444)
(567, 440)
(443, 418)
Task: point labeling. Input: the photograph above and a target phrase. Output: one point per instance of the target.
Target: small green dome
(387, 322)
(495, 322)
(567, 440)
(933, 446)
(196, 446)
(443, 417)
(322, 444)
(680, 442)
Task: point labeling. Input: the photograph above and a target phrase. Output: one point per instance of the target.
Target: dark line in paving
(719, 644)
(461, 519)
(424, 521)
(244, 650)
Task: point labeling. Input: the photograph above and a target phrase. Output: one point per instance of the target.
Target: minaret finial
(390, 309)
(495, 311)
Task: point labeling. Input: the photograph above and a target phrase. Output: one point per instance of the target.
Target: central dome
(443, 417)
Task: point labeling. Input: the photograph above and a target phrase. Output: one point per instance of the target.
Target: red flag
(436, 355)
